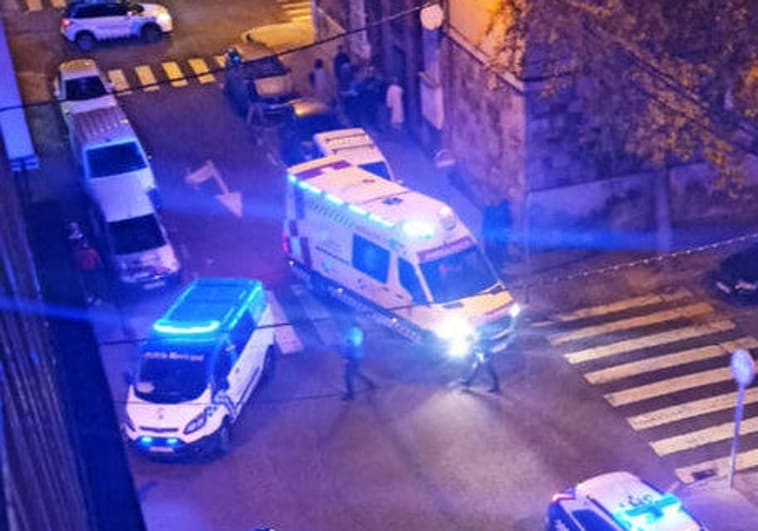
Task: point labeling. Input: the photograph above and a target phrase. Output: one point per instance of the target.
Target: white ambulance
(198, 368)
(357, 147)
(400, 256)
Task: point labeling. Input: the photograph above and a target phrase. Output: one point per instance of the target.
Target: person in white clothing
(395, 104)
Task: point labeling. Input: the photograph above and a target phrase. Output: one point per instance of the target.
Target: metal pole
(736, 436)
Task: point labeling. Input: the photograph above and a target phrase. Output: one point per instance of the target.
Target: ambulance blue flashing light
(357, 210)
(309, 187)
(186, 329)
(334, 200)
(291, 178)
(641, 517)
(379, 220)
(418, 229)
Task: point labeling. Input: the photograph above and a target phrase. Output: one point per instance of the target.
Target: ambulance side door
(245, 371)
(372, 263)
(410, 293)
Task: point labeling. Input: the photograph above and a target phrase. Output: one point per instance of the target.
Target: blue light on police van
(357, 210)
(291, 178)
(638, 518)
(308, 187)
(186, 329)
(145, 440)
(418, 229)
(172, 441)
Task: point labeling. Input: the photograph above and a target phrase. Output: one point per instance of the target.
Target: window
(136, 234)
(377, 168)
(410, 282)
(458, 275)
(370, 259)
(591, 521)
(242, 331)
(115, 160)
(84, 88)
(116, 10)
(222, 367)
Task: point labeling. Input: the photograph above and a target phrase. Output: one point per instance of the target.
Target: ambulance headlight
(514, 310)
(458, 334)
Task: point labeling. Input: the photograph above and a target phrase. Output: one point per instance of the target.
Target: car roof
(354, 144)
(78, 68)
(302, 107)
(252, 50)
(121, 197)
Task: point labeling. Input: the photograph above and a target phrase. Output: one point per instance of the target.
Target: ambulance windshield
(171, 377)
(458, 275)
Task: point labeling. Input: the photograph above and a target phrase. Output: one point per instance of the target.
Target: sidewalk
(720, 508)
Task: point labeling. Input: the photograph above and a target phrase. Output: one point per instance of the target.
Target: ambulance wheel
(224, 437)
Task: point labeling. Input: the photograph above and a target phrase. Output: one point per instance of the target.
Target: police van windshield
(85, 88)
(115, 159)
(377, 168)
(136, 235)
(168, 377)
(458, 275)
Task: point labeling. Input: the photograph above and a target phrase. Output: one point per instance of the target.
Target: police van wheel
(224, 438)
(85, 41)
(151, 33)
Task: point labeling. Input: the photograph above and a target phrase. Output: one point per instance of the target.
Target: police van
(357, 147)
(199, 366)
(401, 256)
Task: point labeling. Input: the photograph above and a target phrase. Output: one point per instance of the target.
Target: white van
(137, 243)
(107, 148)
(200, 365)
(357, 147)
(401, 256)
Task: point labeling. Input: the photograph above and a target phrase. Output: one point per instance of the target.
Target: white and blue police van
(618, 501)
(198, 367)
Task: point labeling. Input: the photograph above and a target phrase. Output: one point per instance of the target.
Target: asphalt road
(417, 453)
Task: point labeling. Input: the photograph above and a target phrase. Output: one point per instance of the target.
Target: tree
(663, 81)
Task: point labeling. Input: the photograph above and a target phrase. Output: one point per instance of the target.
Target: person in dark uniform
(352, 354)
(482, 358)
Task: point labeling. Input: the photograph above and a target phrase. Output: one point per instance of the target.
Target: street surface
(626, 371)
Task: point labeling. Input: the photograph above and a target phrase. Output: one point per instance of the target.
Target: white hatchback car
(618, 501)
(86, 22)
(80, 86)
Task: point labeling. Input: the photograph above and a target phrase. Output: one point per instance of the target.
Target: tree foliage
(664, 80)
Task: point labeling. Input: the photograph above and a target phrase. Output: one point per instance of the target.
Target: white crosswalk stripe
(321, 317)
(286, 337)
(146, 78)
(118, 79)
(200, 68)
(174, 73)
(669, 382)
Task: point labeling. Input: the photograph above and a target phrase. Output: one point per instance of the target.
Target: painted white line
(690, 310)
(33, 5)
(665, 387)
(745, 460)
(286, 337)
(58, 4)
(146, 78)
(200, 68)
(219, 60)
(689, 410)
(621, 305)
(118, 79)
(626, 370)
(174, 73)
(663, 338)
(693, 439)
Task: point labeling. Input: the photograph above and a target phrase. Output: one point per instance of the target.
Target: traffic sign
(743, 367)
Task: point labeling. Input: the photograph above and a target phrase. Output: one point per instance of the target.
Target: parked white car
(86, 23)
(80, 86)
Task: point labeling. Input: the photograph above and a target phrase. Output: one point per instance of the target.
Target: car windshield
(115, 159)
(377, 168)
(458, 275)
(136, 234)
(85, 88)
(169, 377)
(264, 67)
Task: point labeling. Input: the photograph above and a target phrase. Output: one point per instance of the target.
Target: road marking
(200, 68)
(626, 370)
(146, 78)
(174, 73)
(691, 409)
(693, 439)
(671, 385)
(118, 79)
(219, 60)
(663, 338)
(286, 337)
(690, 310)
(745, 460)
(321, 318)
(621, 305)
(59, 4)
(34, 5)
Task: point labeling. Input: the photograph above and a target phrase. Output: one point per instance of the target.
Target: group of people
(352, 353)
(361, 93)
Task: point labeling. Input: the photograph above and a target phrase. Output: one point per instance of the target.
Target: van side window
(370, 259)
(223, 366)
(242, 331)
(410, 282)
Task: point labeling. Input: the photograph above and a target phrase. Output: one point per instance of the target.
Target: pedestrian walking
(320, 82)
(482, 358)
(497, 224)
(338, 67)
(87, 263)
(352, 354)
(394, 103)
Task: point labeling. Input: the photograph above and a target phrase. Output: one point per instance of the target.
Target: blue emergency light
(640, 517)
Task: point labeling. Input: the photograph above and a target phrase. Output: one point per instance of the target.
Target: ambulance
(402, 257)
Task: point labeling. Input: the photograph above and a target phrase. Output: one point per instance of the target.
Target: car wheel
(270, 361)
(224, 437)
(85, 41)
(151, 33)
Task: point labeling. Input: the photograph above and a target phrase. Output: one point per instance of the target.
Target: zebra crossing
(298, 11)
(167, 74)
(32, 5)
(663, 362)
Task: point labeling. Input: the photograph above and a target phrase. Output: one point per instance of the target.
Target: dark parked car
(305, 118)
(737, 276)
(256, 82)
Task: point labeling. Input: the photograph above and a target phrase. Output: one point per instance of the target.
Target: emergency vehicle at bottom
(199, 366)
(401, 256)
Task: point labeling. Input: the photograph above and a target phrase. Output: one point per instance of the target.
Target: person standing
(394, 104)
(87, 263)
(338, 68)
(369, 97)
(320, 82)
(352, 354)
(483, 358)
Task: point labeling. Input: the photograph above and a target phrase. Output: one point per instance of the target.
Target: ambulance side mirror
(128, 378)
